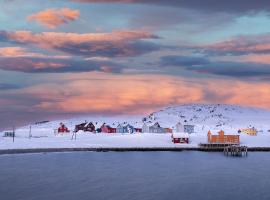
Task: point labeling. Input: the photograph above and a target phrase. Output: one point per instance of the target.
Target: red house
(180, 138)
(63, 128)
(107, 129)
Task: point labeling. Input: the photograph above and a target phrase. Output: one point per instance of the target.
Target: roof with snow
(180, 135)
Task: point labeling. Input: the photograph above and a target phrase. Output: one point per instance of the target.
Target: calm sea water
(134, 175)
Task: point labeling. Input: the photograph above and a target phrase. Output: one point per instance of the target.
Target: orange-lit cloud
(53, 18)
(17, 52)
(59, 38)
(130, 94)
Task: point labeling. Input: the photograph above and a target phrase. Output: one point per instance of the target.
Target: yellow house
(249, 131)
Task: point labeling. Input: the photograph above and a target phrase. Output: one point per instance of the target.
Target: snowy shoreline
(117, 142)
(117, 149)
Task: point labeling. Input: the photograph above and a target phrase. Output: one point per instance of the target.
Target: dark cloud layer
(44, 65)
(204, 65)
(7, 86)
(105, 49)
(229, 6)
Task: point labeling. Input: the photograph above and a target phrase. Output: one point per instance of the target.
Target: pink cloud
(18, 52)
(137, 94)
(116, 43)
(251, 58)
(53, 18)
(242, 45)
(59, 38)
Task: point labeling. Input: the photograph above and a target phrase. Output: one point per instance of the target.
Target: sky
(64, 58)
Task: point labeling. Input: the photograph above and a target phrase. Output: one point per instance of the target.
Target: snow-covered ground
(205, 117)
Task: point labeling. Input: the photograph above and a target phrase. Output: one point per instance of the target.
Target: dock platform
(236, 150)
(215, 146)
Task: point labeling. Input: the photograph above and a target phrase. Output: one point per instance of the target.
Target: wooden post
(13, 135)
(74, 135)
(30, 132)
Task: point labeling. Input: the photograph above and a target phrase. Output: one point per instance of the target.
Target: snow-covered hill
(227, 117)
(204, 117)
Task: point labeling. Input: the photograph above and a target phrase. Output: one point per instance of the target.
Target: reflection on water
(134, 175)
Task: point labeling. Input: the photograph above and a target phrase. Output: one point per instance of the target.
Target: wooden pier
(215, 146)
(236, 150)
(229, 149)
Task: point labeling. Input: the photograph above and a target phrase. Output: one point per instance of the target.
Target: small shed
(180, 138)
(63, 128)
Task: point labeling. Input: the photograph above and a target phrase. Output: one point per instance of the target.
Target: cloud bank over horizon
(71, 57)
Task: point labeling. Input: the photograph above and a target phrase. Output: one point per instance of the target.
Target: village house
(125, 129)
(156, 128)
(86, 127)
(221, 138)
(107, 129)
(120, 128)
(63, 129)
(180, 138)
(249, 131)
(89, 127)
(80, 127)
